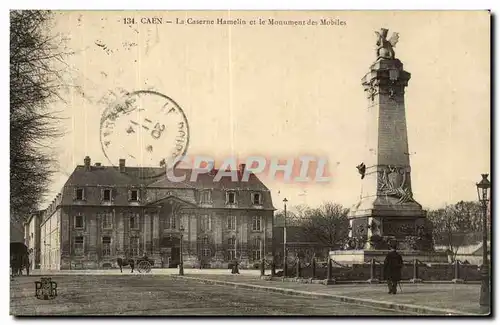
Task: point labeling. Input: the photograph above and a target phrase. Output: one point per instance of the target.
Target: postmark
(146, 128)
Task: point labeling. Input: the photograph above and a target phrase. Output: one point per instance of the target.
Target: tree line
(35, 84)
(453, 226)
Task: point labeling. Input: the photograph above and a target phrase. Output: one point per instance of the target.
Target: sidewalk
(454, 299)
(126, 270)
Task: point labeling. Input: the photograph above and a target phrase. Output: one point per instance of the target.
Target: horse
(125, 262)
(19, 259)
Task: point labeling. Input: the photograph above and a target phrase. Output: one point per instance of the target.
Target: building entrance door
(171, 246)
(176, 257)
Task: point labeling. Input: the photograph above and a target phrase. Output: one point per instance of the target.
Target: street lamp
(181, 263)
(483, 188)
(284, 240)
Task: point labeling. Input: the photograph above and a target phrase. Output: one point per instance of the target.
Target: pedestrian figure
(392, 269)
(235, 269)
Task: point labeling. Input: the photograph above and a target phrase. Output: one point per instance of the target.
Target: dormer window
(256, 199)
(230, 197)
(133, 195)
(106, 195)
(79, 194)
(206, 196)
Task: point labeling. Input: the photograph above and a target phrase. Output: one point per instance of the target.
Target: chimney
(86, 162)
(98, 164)
(122, 165)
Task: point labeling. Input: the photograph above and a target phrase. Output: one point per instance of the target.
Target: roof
(155, 178)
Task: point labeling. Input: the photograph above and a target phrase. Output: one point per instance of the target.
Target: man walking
(392, 269)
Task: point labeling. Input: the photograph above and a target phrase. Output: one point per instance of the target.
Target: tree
(294, 215)
(35, 82)
(327, 224)
(455, 224)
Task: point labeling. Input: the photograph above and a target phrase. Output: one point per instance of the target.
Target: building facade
(107, 212)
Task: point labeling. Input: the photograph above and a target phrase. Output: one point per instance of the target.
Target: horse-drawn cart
(143, 264)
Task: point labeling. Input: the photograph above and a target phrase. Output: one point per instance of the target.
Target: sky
(287, 91)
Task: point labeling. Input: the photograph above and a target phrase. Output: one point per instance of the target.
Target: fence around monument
(415, 271)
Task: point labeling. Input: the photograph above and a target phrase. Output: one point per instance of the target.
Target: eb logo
(45, 289)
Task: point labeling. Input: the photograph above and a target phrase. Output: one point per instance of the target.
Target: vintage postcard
(250, 163)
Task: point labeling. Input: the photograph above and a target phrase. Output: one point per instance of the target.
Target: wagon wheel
(144, 266)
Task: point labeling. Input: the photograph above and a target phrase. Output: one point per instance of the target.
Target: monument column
(387, 206)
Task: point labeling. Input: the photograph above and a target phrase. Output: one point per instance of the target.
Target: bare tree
(455, 224)
(327, 224)
(35, 82)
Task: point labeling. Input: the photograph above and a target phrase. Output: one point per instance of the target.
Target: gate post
(457, 273)
(329, 279)
(273, 268)
(262, 268)
(298, 268)
(373, 271)
(313, 265)
(285, 273)
(415, 279)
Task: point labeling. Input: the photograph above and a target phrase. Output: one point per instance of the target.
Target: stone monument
(387, 210)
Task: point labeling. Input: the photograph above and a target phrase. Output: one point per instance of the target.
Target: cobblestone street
(161, 294)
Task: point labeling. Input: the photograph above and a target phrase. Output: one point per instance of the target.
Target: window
(78, 245)
(79, 222)
(171, 222)
(256, 199)
(256, 249)
(206, 248)
(134, 246)
(230, 198)
(231, 248)
(106, 195)
(231, 222)
(257, 223)
(106, 246)
(107, 220)
(206, 197)
(206, 223)
(79, 194)
(133, 195)
(134, 221)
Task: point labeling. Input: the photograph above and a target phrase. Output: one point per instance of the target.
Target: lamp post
(483, 194)
(284, 240)
(181, 263)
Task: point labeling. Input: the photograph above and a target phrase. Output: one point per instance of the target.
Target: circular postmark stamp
(144, 127)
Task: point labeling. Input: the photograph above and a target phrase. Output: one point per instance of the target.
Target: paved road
(129, 294)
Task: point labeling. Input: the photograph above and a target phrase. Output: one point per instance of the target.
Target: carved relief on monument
(371, 89)
(392, 88)
(393, 181)
(399, 228)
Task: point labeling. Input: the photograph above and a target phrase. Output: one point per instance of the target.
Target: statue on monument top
(385, 48)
